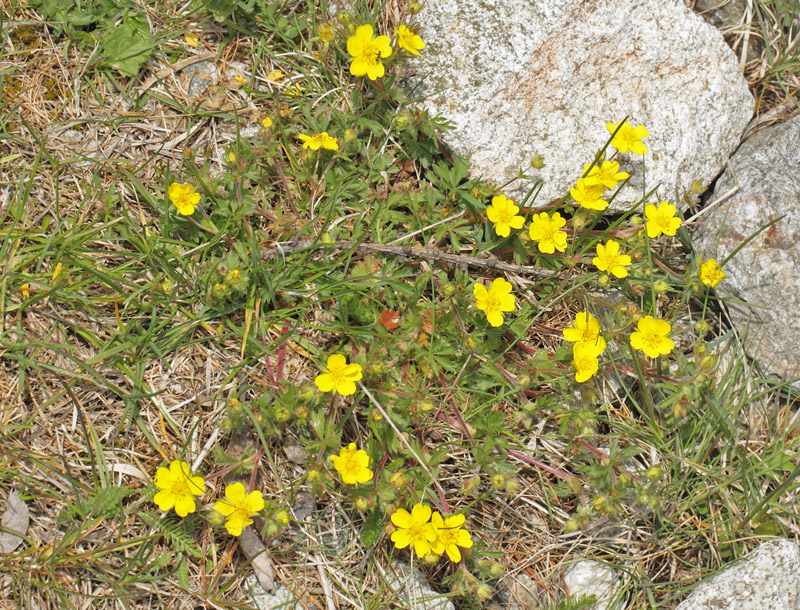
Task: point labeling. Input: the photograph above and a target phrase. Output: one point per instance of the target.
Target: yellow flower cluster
(178, 488)
(429, 533)
(367, 50)
(588, 346)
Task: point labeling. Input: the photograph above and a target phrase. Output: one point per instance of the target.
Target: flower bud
(398, 479)
(282, 517)
(431, 558)
(484, 591)
(498, 481)
(415, 7)
(469, 485)
(361, 503)
(603, 281)
(653, 472)
(537, 162)
(661, 287)
(349, 135)
(570, 526)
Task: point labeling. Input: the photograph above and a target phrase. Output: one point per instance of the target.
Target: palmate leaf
(128, 46)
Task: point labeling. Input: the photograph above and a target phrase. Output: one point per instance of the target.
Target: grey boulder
(767, 579)
(766, 271)
(520, 78)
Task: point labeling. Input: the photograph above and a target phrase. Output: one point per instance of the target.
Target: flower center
(371, 53)
(588, 335)
(652, 340)
(612, 260)
(492, 302)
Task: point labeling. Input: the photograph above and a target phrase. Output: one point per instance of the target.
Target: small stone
(281, 597)
(407, 581)
(588, 577)
(768, 578)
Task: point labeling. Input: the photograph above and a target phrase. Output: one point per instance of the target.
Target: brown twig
(488, 262)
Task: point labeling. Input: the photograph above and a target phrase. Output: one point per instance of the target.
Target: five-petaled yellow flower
(503, 213)
(589, 196)
(414, 529)
(408, 40)
(607, 174)
(628, 138)
(367, 52)
(352, 464)
(319, 140)
(238, 506)
(266, 122)
(547, 231)
(652, 338)
(339, 376)
(178, 488)
(494, 301)
(609, 259)
(450, 535)
(585, 329)
(585, 360)
(183, 197)
(661, 219)
(711, 273)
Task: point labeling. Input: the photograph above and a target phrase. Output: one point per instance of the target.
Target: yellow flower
(238, 506)
(275, 76)
(408, 40)
(26, 290)
(495, 300)
(266, 122)
(609, 259)
(711, 273)
(178, 488)
(352, 464)
(183, 197)
(414, 529)
(661, 219)
(502, 213)
(589, 196)
(367, 52)
(546, 230)
(319, 140)
(607, 174)
(339, 376)
(585, 329)
(651, 338)
(584, 359)
(628, 138)
(230, 157)
(325, 32)
(449, 536)
(191, 39)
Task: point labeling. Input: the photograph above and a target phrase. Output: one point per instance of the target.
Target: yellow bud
(660, 287)
(537, 162)
(266, 122)
(282, 517)
(415, 7)
(484, 591)
(498, 481)
(398, 479)
(570, 526)
(361, 503)
(708, 362)
(349, 135)
(603, 280)
(313, 475)
(653, 472)
(57, 271)
(26, 293)
(431, 558)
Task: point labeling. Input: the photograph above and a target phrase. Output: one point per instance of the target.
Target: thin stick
(427, 254)
(402, 438)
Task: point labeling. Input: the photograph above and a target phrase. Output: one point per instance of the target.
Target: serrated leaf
(373, 526)
(128, 46)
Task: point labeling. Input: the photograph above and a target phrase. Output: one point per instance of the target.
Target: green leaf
(128, 46)
(372, 528)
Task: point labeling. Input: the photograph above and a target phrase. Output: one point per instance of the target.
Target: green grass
(164, 337)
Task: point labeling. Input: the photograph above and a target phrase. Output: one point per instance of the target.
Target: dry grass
(75, 424)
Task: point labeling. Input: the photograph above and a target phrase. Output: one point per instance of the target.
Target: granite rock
(587, 577)
(767, 579)
(519, 78)
(766, 271)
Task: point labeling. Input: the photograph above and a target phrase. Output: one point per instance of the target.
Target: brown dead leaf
(15, 519)
(389, 319)
(254, 549)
